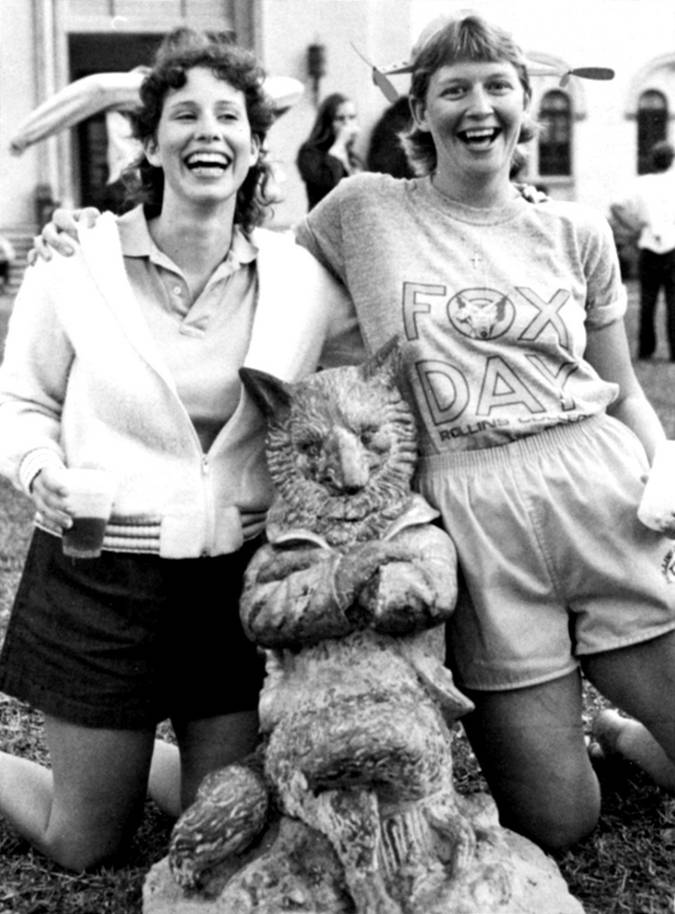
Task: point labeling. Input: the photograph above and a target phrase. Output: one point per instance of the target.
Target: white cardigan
(83, 384)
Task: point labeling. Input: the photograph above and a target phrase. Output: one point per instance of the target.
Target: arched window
(652, 118)
(555, 134)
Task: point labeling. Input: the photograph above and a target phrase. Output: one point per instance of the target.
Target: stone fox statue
(348, 599)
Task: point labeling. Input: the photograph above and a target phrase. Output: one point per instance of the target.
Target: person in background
(7, 257)
(385, 150)
(650, 209)
(535, 436)
(125, 356)
(328, 155)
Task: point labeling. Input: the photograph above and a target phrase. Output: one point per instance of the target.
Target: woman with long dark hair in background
(327, 155)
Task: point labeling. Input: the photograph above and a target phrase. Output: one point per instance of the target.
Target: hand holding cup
(88, 501)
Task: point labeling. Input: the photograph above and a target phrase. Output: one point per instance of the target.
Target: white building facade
(594, 135)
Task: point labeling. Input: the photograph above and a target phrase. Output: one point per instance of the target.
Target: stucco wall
(625, 35)
(380, 29)
(635, 37)
(621, 34)
(18, 176)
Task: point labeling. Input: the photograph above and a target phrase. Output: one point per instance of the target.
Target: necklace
(479, 266)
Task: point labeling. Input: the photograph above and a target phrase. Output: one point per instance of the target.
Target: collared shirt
(204, 342)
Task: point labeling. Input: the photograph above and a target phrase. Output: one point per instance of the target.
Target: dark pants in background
(656, 272)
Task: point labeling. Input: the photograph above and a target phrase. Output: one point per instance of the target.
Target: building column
(51, 70)
(246, 21)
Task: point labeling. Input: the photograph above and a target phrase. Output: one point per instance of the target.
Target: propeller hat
(534, 68)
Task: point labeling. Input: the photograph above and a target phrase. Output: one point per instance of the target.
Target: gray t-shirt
(494, 303)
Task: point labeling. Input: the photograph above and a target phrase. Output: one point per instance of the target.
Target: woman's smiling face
(203, 141)
(474, 111)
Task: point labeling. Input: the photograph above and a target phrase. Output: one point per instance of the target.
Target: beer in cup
(89, 502)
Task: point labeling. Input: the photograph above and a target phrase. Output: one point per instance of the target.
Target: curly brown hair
(469, 38)
(182, 50)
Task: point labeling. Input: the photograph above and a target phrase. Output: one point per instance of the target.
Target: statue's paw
(402, 599)
(455, 838)
(282, 563)
(228, 814)
(360, 566)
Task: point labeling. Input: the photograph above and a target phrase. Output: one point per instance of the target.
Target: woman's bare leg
(203, 746)
(530, 745)
(81, 812)
(640, 680)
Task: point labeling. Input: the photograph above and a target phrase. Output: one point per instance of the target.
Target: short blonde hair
(472, 39)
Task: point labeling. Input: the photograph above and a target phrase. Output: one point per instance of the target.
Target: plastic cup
(89, 502)
(657, 506)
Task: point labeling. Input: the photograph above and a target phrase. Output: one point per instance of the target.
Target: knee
(556, 829)
(76, 859)
(78, 855)
(564, 832)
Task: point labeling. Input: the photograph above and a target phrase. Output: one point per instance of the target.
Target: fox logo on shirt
(482, 314)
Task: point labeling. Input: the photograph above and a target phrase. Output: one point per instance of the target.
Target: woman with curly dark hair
(125, 357)
(328, 155)
(181, 52)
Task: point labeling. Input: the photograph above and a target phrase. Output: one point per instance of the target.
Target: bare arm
(607, 351)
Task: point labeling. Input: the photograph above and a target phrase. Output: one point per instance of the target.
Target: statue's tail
(228, 814)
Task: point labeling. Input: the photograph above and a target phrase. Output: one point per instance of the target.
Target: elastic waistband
(131, 534)
(140, 534)
(530, 447)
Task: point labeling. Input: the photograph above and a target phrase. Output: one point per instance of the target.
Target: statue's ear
(270, 395)
(386, 362)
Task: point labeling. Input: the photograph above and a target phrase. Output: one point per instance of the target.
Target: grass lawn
(625, 866)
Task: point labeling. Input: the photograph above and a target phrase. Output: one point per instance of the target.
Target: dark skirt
(126, 640)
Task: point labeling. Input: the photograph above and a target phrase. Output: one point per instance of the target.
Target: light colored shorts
(555, 562)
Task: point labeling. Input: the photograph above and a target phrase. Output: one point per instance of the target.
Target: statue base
(294, 868)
